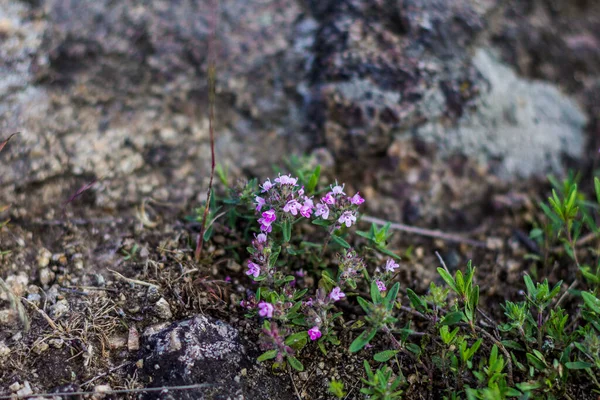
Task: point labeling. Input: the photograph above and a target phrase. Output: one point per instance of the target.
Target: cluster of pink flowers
(259, 262)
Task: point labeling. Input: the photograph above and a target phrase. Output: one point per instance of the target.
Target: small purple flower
(261, 238)
(292, 206)
(322, 211)
(391, 265)
(381, 286)
(301, 191)
(265, 309)
(227, 278)
(306, 210)
(260, 202)
(269, 216)
(314, 333)
(347, 218)
(286, 180)
(328, 198)
(253, 269)
(264, 227)
(337, 189)
(356, 199)
(336, 294)
(308, 303)
(266, 186)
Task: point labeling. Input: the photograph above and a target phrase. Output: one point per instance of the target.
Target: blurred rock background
(428, 107)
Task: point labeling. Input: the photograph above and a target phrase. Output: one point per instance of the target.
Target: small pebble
(43, 258)
(133, 340)
(163, 309)
(46, 276)
(4, 350)
(40, 347)
(25, 390)
(60, 308)
(15, 386)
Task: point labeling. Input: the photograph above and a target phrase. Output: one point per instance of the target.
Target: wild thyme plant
(534, 353)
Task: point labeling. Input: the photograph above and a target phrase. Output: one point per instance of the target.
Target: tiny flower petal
(261, 237)
(253, 269)
(328, 198)
(322, 211)
(336, 294)
(265, 309)
(391, 265)
(266, 186)
(337, 189)
(347, 218)
(314, 333)
(356, 199)
(381, 286)
(260, 202)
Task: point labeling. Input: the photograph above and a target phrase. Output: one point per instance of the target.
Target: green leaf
(295, 363)
(447, 278)
(452, 318)
(413, 348)
(416, 301)
(362, 340)
(388, 252)
(267, 355)
(578, 365)
(295, 337)
(531, 290)
(385, 355)
(591, 301)
(364, 304)
(286, 228)
(314, 180)
(340, 241)
(511, 344)
(390, 299)
(321, 222)
(597, 186)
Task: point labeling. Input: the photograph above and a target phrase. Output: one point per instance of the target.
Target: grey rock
(206, 351)
(528, 125)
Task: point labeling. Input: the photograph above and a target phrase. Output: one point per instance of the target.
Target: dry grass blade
(142, 216)
(79, 192)
(4, 143)
(16, 305)
(212, 73)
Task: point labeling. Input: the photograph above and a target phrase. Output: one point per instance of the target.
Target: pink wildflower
(292, 206)
(265, 309)
(286, 180)
(307, 209)
(266, 186)
(260, 202)
(337, 189)
(328, 198)
(261, 238)
(336, 294)
(347, 218)
(322, 211)
(356, 199)
(314, 333)
(381, 286)
(391, 265)
(253, 269)
(301, 191)
(269, 216)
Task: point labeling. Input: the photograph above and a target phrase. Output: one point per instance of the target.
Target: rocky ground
(445, 115)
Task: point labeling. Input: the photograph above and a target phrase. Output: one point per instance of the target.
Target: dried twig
(116, 391)
(4, 142)
(448, 237)
(43, 314)
(129, 280)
